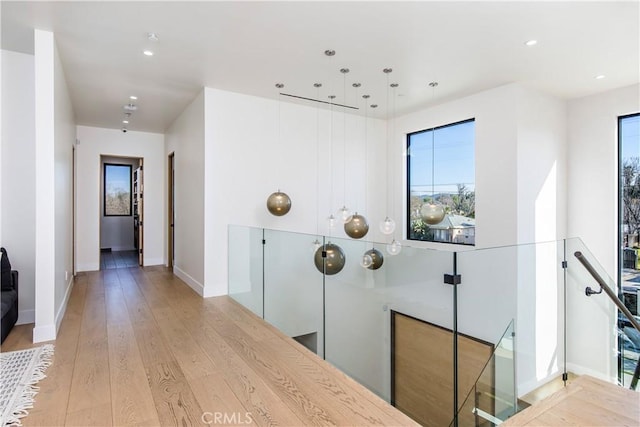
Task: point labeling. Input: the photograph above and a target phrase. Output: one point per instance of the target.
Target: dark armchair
(9, 297)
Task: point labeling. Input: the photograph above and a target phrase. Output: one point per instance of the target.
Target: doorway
(121, 212)
(171, 210)
(422, 370)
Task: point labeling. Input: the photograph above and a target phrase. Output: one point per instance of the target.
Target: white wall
(54, 138)
(593, 212)
(65, 138)
(18, 176)
(245, 163)
(45, 187)
(116, 232)
(185, 138)
(94, 142)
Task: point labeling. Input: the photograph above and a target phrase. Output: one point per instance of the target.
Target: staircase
(585, 401)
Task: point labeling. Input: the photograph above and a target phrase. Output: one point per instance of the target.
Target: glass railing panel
(245, 266)
(592, 335)
(293, 287)
(525, 283)
(370, 313)
(492, 399)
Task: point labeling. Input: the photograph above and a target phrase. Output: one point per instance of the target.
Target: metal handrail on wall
(603, 286)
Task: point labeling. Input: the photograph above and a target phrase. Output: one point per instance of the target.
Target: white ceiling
(249, 46)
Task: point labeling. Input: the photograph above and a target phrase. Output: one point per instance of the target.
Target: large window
(629, 275)
(117, 190)
(441, 169)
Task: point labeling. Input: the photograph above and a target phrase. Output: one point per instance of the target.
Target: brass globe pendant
(333, 260)
(279, 203)
(376, 259)
(432, 213)
(356, 227)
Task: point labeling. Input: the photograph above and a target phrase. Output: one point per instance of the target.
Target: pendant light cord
(433, 149)
(386, 163)
(317, 86)
(393, 133)
(366, 150)
(344, 72)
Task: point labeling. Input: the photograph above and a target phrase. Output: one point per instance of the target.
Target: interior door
(140, 200)
(171, 213)
(422, 371)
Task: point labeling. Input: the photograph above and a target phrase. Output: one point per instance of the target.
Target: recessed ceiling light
(600, 77)
(148, 52)
(133, 97)
(531, 42)
(125, 122)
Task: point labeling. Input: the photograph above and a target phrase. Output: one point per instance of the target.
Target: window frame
(620, 232)
(407, 215)
(104, 190)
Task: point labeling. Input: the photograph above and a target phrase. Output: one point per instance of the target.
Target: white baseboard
(148, 262)
(63, 306)
(88, 266)
(209, 292)
(529, 386)
(26, 316)
(44, 333)
(581, 370)
(193, 283)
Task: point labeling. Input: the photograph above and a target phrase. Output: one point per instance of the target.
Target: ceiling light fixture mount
(152, 37)
(330, 52)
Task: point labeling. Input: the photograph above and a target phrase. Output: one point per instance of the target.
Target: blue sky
(454, 158)
(118, 178)
(630, 136)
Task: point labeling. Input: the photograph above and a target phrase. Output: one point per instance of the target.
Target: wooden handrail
(585, 262)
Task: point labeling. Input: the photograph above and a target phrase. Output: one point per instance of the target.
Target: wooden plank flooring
(139, 347)
(587, 401)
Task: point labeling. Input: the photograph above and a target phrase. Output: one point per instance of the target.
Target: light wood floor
(139, 347)
(586, 401)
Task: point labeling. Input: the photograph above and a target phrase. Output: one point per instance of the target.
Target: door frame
(170, 209)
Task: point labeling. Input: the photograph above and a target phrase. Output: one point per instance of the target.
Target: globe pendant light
(329, 259)
(375, 257)
(387, 225)
(279, 203)
(432, 212)
(366, 261)
(357, 227)
(394, 247)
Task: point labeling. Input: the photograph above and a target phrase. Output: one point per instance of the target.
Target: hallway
(118, 259)
(138, 346)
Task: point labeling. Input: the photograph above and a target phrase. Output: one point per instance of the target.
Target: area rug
(19, 372)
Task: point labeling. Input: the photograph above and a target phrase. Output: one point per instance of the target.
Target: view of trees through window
(629, 144)
(117, 190)
(441, 168)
